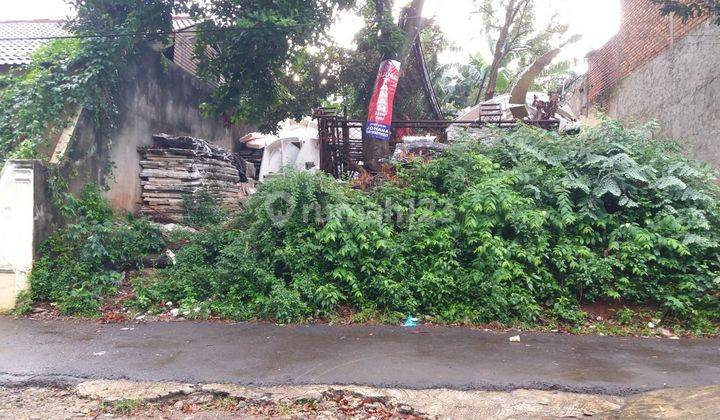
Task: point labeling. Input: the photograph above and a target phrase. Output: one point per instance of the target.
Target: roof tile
(15, 51)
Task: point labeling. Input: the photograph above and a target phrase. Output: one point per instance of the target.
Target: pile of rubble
(175, 167)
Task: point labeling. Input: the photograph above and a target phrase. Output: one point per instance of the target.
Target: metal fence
(341, 138)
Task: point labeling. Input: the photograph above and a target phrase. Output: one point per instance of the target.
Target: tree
(457, 83)
(152, 18)
(410, 25)
(689, 9)
(510, 26)
(272, 59)
(380, 39)
(514, 26)
(393, 40)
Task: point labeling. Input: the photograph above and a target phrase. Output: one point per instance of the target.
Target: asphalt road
(265, 354)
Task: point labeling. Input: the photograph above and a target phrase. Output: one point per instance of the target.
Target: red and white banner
(380, 112)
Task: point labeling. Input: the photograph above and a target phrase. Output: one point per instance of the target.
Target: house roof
(17, 52)
(181, 23)
(14, 51)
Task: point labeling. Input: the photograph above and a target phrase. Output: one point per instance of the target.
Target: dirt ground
(72, 403)
(125, 399)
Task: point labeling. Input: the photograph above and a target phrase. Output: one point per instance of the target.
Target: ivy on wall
(81, 72)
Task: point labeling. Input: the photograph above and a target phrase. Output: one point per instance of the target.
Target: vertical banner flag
(382, 101)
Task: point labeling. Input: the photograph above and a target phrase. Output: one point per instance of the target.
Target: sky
(595, 20)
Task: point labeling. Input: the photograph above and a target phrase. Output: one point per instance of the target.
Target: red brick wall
(644, 34)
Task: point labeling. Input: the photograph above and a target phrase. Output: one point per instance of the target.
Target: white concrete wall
(17, 219)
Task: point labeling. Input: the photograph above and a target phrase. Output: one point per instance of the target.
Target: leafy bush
(202, 209)
(83, 262)
(625, 316)
(516, 232)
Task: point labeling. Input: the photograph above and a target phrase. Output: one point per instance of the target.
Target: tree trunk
(504, 45)
(411, 22)
(500, 50)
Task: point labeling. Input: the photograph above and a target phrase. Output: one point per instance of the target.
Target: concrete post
(25, 220)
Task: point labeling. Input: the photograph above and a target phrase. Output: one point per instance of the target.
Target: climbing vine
(76, 73)
(33, 102)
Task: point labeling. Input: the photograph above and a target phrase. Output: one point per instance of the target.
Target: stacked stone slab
(175, 167)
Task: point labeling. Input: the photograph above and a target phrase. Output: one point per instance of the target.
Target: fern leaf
(670, 181)
(608, 186)
(626, 201)
(595, 159)
(636, 173)
(573, 182)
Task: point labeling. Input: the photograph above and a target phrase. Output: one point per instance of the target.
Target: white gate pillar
(24, 222)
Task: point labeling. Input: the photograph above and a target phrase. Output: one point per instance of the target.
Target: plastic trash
(410, 322)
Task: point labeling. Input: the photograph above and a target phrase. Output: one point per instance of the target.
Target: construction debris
(175, 167)
(295, 147)
(415, 148)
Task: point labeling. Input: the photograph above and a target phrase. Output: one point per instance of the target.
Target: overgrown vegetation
(71, 74)
(84, 262)
(39, 100)
(202, 209)
(523, 231)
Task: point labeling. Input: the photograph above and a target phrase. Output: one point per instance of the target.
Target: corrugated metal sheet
(182, 22)
(185, 52)
(18, 52)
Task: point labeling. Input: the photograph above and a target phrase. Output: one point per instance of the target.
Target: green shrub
(83, 262)
(23, 303)
(202, 209)
(523, 231)
(283, 304)
(625, 316)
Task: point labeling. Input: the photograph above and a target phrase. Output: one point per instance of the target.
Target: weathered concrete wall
(577, 97)
(156, 97)
(680, 89)
(644, 34)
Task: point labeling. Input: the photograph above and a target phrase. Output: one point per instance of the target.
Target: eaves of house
(19, 39)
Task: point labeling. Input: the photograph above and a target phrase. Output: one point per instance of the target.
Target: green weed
(83, 263)
(126, 407)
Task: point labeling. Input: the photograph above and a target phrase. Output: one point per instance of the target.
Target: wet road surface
(265, 354)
